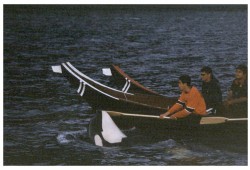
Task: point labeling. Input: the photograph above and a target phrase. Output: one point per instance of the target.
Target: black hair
(206, 69)
(185, 79)
(243, 68)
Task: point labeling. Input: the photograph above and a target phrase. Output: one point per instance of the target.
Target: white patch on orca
(111, 133)
(98, 140)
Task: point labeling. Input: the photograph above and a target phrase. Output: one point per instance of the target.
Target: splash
(69, 136)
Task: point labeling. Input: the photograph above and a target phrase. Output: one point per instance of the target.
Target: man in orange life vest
(190, 101)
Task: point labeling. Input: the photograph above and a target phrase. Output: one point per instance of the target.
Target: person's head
(184, 82)
(241, 71)
(206, 74)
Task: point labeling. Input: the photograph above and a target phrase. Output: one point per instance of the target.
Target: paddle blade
(106, 72)
(113, 113)
(212, 120)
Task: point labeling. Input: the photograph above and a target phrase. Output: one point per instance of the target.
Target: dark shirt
(239, 90)
(239, 109)
(211, 92)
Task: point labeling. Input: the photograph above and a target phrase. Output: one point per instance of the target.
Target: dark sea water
(44, 121)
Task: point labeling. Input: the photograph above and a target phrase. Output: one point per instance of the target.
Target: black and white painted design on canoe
(126, 86)
(77, 74)
(81, 88)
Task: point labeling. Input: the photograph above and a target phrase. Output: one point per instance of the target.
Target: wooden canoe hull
(182, 129)
(100, 96)
(188, 127)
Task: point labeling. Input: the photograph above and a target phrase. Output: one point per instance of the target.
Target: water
(44, 121)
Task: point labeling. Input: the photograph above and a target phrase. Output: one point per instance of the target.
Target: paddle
(203, 121)
(113, 113)
(217, 120)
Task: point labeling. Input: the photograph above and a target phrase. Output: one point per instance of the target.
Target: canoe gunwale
(117, 94)
(136, 84)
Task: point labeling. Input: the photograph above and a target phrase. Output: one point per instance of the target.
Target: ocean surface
(44, 121)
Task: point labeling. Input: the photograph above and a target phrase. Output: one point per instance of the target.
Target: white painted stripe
(83, 89)
(83, 75)
(190, 108)
(210, 109)
(188, 111)
(180, 104)
(125, 85)
(128, 86)
(71, 72)
(80, 87)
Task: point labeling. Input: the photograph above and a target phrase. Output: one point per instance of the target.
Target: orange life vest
(191, 102)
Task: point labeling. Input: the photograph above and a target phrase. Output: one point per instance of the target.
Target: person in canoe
(237, 95)
(190, 102)
(211, 90)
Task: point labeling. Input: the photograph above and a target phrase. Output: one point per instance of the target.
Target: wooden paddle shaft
(203, 121)
(236, 119)
(134, 115)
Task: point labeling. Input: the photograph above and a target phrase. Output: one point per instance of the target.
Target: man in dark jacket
(211, 90)
(236, 102)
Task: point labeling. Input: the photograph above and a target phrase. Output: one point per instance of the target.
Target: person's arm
(185, 112)
(195, 101)
(230, 91)
(229, 95)
(180, 104)
(235, 101)
(181, 114)
(176, 107)
(227, 102)
(231, 100)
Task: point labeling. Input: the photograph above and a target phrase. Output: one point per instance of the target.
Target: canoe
(190, 121)
(120, 78)
(128, 83)
(106, 128)
(100, 96)
(103, 97)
